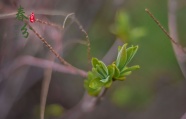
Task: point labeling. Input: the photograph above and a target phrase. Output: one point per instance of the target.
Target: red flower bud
(32, 18)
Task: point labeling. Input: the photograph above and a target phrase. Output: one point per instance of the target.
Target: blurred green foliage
(123, 30)
(129, 97)
(51, 111)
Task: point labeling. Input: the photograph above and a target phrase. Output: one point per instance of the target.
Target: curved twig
(37, 62)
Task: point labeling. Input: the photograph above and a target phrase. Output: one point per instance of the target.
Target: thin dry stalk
(52, 50)
(163, 29)
(66, 19)
(87, 40)
(37, 62)
(45, 87)
(62, 27)
(49, 24)
(83, 30)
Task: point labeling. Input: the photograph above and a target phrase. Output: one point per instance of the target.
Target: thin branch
(48, 76)
(163, 29)
(87, 104)
(37, 62)
(52, 50)
(181, 57)
(66, 19)
(172, 23)
(40, 12)
(45, 87)
(87, 39)
(178, 49)
(54, 13)
(49, 24)
(112, 52)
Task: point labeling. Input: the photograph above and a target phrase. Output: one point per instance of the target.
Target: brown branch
(163, 29)
(48, 73)
(87, 40)
(45, 87)
(172, 23)
(37, 62)
(87, 104)
(181, 56)
(62, 27)
(49, 24)
(178, 49)
(52, 50)
(40, 12)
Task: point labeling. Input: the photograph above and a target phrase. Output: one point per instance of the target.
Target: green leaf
(121, 27)
(119, 48)
(121, 78)
(95, 61)
(116, 71)
(111, 69)
(101, 71)
(96, 83)
(105, 80)
(104, 67)
(94, 92)
(91, 91)
(99, 68)
(122, 58)
(97, 74)
(135, 67)
(137, 33)
(123, 74)
(109, 83)
(131, 52)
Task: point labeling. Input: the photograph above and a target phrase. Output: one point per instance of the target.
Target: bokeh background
(156, 91)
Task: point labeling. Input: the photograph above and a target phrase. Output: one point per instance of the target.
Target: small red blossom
(32, 18)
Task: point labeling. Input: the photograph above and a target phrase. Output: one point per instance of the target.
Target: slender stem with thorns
(163, 29)
(62, 27)
(49, 24)
(87, 39)
(52, 50)
(55, 13)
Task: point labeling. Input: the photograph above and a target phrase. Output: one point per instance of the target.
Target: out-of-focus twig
(87, 40)
(112, 52)
(49, 24)
(45, 87)
(41, 12)
(178, 49)
(172, 23)
(66, 19)
(184, 116)
(87, 104)
(163, 29)
(37, 62)
(48, 71)
(180, 55)
(53, 51)
(53, 12)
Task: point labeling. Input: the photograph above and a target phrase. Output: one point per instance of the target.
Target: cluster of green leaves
(103, 76)
(123, 29)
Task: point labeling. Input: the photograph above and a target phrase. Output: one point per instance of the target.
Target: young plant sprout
(102, 76)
